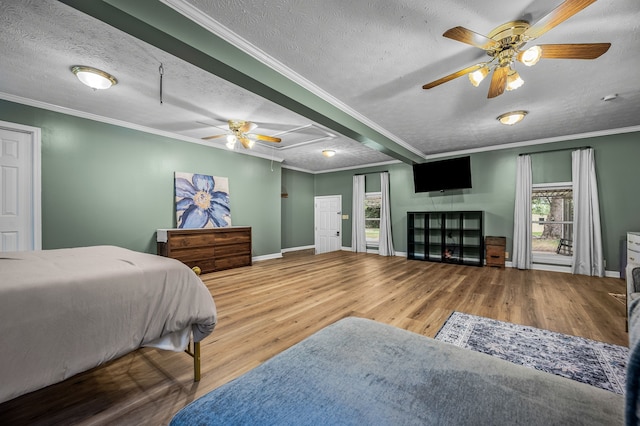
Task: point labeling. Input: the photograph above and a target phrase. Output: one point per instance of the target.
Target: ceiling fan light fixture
(231, 141)
(328, 153)
(513, 80)
(511, 118)
(531, 56)
(93, 77)
(478, 75)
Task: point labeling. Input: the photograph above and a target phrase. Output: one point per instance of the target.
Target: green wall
(493, 175)
(297, 209)
(105, 184)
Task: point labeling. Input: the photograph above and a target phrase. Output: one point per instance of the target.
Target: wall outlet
(345, 217)
(506, 255)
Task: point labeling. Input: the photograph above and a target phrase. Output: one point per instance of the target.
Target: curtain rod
(371, 173)
(553, 150)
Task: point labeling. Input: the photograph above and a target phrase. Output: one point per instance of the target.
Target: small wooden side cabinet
(495, 251)
(209, 249)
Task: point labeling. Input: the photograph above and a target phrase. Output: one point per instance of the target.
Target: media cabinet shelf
(446, 237)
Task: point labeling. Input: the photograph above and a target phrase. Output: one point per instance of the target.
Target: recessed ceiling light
(512, 117)
(93, 77)
(328, 153)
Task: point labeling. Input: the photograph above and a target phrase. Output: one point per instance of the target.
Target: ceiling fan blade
(265, 138)
(214, 137)
(573, 51)
(498, 82)
(453, 76)
(247, 126)
(558, 15)
(464, 35)
(246, 142)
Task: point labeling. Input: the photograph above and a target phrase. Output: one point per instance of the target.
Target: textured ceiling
(370, 58)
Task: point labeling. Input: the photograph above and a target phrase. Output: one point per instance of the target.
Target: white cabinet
(633, 248)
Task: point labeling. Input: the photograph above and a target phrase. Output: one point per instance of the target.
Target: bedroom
(107, 184)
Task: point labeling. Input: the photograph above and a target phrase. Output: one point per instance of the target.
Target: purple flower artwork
(202, 201)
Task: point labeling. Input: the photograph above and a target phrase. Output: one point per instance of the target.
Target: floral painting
(202, 201)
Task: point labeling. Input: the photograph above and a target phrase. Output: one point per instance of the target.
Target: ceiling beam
(159, 25)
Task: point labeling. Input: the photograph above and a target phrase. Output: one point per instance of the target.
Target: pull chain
(161, 71)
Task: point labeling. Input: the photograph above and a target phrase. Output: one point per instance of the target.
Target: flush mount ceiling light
(328, 153)
(93, 77)
(510, 118)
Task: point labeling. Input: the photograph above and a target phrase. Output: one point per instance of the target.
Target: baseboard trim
(266, 257)
(290, 249)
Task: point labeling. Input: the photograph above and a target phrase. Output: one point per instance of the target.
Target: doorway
(328, 223)
(20, 208)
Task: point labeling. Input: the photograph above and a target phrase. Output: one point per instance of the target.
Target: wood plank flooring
(268, 307)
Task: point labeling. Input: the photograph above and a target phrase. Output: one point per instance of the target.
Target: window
(372, 202)
(552, 223)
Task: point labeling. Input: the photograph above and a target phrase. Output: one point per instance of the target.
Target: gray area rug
(587, 361)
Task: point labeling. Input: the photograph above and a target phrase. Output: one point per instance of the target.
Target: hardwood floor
(268, 307)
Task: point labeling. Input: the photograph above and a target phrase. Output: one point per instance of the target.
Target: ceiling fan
(505, 43)
(237, 130)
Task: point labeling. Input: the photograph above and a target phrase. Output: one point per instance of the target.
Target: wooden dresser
(495, 247)
(209, 249)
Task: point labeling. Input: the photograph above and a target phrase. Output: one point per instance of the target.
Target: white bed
(68, 310)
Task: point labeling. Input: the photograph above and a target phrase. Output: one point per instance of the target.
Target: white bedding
(68, 310)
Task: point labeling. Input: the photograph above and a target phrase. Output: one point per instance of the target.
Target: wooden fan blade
(247, 127)
(453, 76)
(467, 36)
(573, 51)
(498, 82)
(265, 138)
(214, 137)
(246, 142)
(558, 15)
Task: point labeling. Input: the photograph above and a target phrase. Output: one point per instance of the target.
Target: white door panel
(18, 190)
(328, 224)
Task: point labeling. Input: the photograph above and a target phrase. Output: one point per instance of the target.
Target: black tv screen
(453, 173)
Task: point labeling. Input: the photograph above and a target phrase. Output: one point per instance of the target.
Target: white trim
(553, 185)
(565, 138)
(292, 249)
(128, 125)
(36, 177)
(341, 169)
(205, 21)
(266, 257)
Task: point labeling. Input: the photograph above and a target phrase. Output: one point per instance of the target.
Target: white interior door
(19, 188)
(328, 223)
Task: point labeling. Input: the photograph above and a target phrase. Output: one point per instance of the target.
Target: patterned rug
(588, 361)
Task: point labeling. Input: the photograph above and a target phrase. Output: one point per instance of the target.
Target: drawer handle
(495, 256)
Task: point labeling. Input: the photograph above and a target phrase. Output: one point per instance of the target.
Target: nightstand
(495, 247)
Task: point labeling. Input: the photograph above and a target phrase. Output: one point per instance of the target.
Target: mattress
(68, 310)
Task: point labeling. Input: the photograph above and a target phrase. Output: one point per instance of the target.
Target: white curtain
(522, 214)
(587, 239)
(358, 235)
(386, 242)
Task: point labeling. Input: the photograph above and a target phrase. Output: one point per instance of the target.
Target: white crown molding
(127, 125)
(342, 169)
(538, 142)
(205, 21)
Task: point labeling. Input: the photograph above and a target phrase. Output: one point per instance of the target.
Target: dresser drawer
(495, 256)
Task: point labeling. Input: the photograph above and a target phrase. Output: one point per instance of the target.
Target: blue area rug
(588, 361)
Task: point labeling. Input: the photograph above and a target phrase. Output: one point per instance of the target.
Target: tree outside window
(372, 202)
(552, 220)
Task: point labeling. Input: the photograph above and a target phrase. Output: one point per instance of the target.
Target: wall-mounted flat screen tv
(453, 173)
